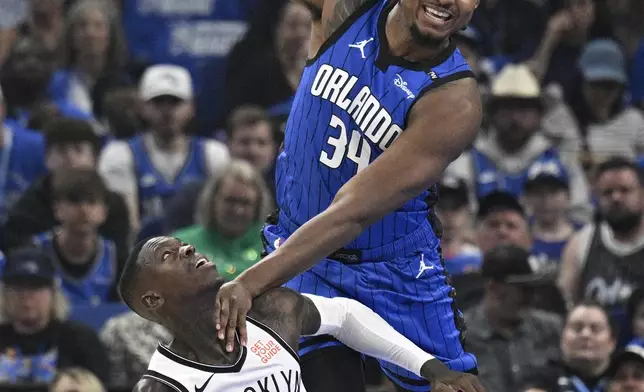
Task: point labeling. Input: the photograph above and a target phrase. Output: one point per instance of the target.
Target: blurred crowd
(124, 119)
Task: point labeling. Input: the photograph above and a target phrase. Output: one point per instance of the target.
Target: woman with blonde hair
(229, 217)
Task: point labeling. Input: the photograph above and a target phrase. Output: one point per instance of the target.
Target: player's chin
(433, 28)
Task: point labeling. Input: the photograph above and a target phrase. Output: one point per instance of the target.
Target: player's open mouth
(437, 13)
(201, 262)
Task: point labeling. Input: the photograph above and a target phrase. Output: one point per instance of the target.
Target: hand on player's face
(232, 304)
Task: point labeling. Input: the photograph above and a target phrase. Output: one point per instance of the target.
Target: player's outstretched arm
(360, 328)
(441, 125)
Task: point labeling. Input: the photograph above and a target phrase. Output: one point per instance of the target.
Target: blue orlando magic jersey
(154, 189)
(351, 105)
(22, 161)
(95, 287)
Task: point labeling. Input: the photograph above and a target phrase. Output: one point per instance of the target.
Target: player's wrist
(251, 285)
(433, 370)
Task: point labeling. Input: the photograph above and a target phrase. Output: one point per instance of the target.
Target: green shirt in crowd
(232, 257)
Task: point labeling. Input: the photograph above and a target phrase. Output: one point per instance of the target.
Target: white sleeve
(217, 156)
(360, 328)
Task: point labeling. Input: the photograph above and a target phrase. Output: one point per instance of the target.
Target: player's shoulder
(460, 86)
(149, 385)
(281, 310)
(279, 302)
(462, 93)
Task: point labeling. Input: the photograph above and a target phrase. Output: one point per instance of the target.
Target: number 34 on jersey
(374, 122)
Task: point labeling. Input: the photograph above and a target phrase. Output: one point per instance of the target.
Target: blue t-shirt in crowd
(22, 161)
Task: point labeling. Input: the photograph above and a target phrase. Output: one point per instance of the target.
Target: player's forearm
(360, 328)
(315, 240)
(360, 203)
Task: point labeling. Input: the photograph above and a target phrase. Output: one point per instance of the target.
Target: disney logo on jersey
(400, 83)
(265, 351)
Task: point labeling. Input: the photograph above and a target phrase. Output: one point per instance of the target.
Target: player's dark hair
(77, 186)
(621, 163)
(68, 131)
(130, 274)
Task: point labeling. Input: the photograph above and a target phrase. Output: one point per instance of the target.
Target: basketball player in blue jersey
(151, 167)
(385, 103)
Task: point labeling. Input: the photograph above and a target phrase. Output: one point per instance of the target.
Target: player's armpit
(150, 385)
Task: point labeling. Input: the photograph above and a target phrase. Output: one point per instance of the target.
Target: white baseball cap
(166, 79)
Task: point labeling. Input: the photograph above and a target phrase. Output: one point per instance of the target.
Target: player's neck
(199, 348)
(196, 335)
(76, 248)
(402, 44)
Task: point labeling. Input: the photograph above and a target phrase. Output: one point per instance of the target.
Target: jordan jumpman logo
(360, 45)
(423, 267)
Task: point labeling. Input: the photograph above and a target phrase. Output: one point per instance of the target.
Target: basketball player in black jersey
(166, 281)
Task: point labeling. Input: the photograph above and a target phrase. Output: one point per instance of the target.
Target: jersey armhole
(436, 84)
(172, 383)
(342, 29)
